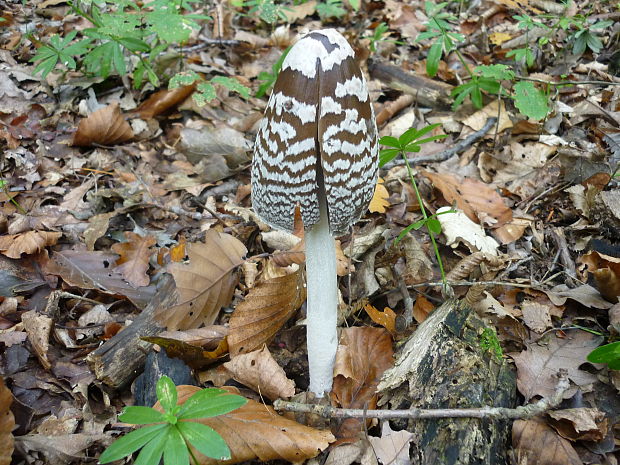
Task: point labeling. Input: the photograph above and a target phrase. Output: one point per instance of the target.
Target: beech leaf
(30, 242)
(134, 258)
(106, 126)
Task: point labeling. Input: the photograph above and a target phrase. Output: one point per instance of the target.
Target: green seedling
(170, 433)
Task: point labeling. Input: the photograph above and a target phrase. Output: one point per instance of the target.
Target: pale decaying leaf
(536, 316)
(379, 201)
(106, 126)
(541, 445)
(64, 448)
(93, 270)
(38, 327)
(538, 366)
(256, 431)
(206, 283)
(392, 448)
(263, 312)
(457, 228)
(7, 423)
(477, 120)
(134, 258)
(364, 353)
(585, 294)
(14, 245)
(259, 371)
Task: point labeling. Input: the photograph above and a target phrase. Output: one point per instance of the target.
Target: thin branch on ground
(521, 412)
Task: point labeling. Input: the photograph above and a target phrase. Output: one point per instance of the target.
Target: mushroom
(316, 148)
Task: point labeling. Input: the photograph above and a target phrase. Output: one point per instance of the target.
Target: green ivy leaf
(530, 101)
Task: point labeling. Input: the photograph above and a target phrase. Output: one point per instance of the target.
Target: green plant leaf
(131, 442)
(205, 439)
(135, 45)
(530, 101)
(387, 155)
(175, 450)
(608, 353)
(390, 141)
(232, 84)
(166, 393)
(153, 450)
(184, 78)
(433, 58)
(205, 93)
(433, 225)
(417, 225)
(138, 415)
(209, 402)
(498, 71)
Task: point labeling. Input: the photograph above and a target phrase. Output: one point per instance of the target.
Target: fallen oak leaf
(541, 445)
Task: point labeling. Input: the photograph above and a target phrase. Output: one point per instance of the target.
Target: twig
(446, 154)
(407, 300)
(560, 240)
(524, 411)
(207, 42)
(570, 83)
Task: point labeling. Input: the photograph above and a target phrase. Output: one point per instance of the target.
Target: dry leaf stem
(521, 412)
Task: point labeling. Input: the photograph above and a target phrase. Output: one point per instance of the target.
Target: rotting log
(443, 365)
(120, 359)
(425, 91)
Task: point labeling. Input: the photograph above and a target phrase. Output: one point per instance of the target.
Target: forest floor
(126, 227)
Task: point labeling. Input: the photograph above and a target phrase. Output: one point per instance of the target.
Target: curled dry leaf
(163, 100)
(256, 431)
(386, 318)
(392, 448)
(480, 202)
(259, 371)
(587, 424)
(379, 201)
(422, 308)
(14, 245)
(606, 271)
(106, 126)
(7, 423)
(457, 227)
(206, 283)
(297, 256)
(541, 445)
(134, 258)
(363, 355)
(263, 312)
(38, 327)
(194, 355)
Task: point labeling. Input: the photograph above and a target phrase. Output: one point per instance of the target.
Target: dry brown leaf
(13, 245)
(392, 448)
(260, 372)
(379, 201)
(296, 12)
(541, 445)
(297, 256)
(536, 316)
(38, 328)
(480, 202)
(606, 271)
(163, 100)
(363, 355)
(256, 431)
(386, 318)
(134, 258)
(422, 308)
(496, 108)
(106, 126)
(498, 38)
(206, 283)
(587, 424)
(263, 312)
(7, 423)
(538, 366)
(193, 355)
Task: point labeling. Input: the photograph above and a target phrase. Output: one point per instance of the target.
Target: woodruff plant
(170, 433)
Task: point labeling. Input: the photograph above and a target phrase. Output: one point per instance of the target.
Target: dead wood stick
(523, 411)
(391, 108)
(425, 91)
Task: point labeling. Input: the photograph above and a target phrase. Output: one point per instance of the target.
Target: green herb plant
(411, 141)
(380, 34)
(269, 79)
(608, 353)
(5, 188)
(531, 100)
(170, 433)
(205, 89)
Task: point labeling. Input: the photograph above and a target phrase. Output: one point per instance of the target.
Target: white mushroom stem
(322, 311)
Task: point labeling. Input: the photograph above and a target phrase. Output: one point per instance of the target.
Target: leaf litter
(106, 188)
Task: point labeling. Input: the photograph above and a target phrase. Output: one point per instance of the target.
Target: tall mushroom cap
(319, 131)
